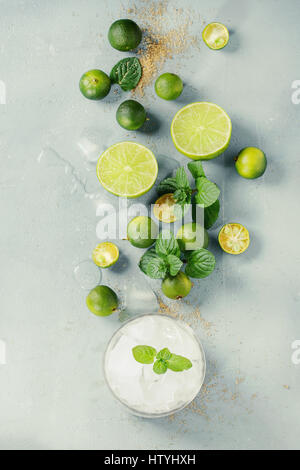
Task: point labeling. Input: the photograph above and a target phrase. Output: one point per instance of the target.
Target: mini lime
(168, 86)
(215, 36)
(105, 254)
(251, 163)
(131, 115)
(192, 236)
(124, 35)
(142, 232)
(95, 84)
(176, 287)
(102, 301)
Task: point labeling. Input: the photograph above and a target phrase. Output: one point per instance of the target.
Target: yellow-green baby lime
(251, 163)
(142, 232)
(131, 115)
(176, 287)
(95, 84)
(124, 35)
(102, 301)
(192, 236)
(168, 86)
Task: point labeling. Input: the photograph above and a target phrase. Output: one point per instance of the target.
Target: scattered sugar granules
(161, 39)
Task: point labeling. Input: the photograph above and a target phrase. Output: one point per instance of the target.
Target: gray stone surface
(53, 394)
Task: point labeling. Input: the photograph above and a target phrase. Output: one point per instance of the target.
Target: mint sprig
(207, 192)
(163, 259)
(144, 354)
(179, 187)
(163, 360)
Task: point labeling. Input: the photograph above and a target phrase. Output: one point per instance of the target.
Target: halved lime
(215, 36)
(234, 238)
(164, 208)
(127, 169)
(105, 254)
(201, 131)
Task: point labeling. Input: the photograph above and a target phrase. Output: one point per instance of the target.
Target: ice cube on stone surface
(87, 274)
(91, 144)
(139, 298)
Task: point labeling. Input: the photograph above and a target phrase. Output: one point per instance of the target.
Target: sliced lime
(127, 169)
(164, 208)
(105, 254)
(215, 36)
(234, 238)
(201, 131)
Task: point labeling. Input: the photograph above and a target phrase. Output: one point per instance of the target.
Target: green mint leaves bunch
(181, 190)
(207, 192)
(162, 360)
(164, 259)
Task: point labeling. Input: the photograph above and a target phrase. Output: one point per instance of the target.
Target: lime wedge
(215, 36)
(127, 169)
(105, 254)
(201, 131)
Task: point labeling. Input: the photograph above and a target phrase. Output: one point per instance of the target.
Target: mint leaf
(178, 363)
(144, 354)
(160, 367)
(166, 244)
(174, 264)
(208, 192)
(211, 214)
(164, 354)
(169, 185)
(127, 73)
(196, 169)
(180, 196)
(201, 263)
(182, 179)
(157, 268)
(146, 258)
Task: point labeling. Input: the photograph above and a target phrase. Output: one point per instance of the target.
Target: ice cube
(87, 274)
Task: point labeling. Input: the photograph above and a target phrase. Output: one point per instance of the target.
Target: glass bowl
(186, 330)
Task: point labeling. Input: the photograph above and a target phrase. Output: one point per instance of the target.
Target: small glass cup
(145, 414)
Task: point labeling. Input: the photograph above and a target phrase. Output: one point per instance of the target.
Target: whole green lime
(168, 86)
(142, 232)
(176, 287)
(131, 115)
(95, 84)
(251, 163)
(102, 301)
(124, 35)
(192, 236)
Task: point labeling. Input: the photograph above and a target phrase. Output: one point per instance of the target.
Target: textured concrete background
(52, 391)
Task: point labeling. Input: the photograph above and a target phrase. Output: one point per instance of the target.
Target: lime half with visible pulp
(234, 238)
(127, 169)
(164, 208)
(215, 36)
(105, 254)
(201, 131)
